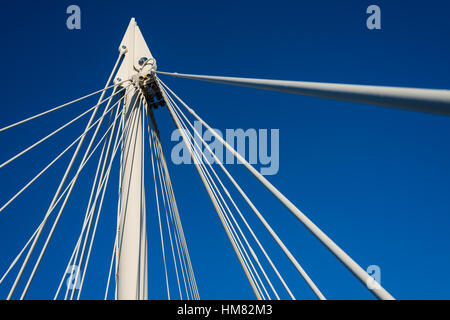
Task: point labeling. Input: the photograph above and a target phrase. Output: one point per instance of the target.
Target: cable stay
(297, 265)
(63, 180)
(360, 273)
(152, 149)
(71, 260)
(171, 241)
(216, 204)
(65, 193)
(178, 110)
(56, 131)
(103, 190)
(60, 107)
(166, 208)
(56, 203)
(302, 272)
(91, 206)
(107, 175)
(188, 278)
(258, 214)
(175, 222)
(63, 205)
(110, 272)
(222, 200)
(50, 164)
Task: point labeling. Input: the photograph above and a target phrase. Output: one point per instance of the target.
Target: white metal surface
(132, 236)
(135, 48)
(132, 242)
(424, 100)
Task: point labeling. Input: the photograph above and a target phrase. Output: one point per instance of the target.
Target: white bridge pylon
(132, 244)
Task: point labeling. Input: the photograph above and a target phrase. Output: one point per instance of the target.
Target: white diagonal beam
(424, 100)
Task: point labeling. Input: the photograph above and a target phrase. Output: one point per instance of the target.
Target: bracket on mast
(139, 66)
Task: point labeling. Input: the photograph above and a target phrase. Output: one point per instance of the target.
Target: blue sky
(376, 180)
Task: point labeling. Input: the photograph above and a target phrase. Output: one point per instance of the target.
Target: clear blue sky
(375, 180)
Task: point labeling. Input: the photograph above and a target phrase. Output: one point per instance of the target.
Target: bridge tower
(131, 267)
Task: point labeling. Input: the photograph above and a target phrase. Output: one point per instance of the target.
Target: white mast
(131, 277)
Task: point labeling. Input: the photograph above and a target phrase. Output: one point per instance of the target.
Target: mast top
(138, 60)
